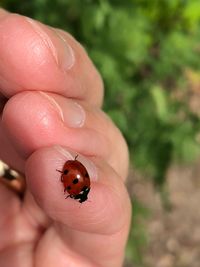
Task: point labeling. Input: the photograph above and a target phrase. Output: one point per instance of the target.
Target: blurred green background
(148, 54)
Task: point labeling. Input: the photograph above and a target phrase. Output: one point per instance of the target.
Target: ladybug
(76, 180)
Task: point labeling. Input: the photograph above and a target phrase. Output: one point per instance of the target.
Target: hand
(51, 113)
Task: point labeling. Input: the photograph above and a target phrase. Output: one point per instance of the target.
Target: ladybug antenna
(76, 157)
(59, 171)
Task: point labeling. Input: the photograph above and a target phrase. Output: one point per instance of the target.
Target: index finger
(34, 56)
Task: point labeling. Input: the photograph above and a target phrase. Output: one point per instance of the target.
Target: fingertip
(37, 55)
(28, 120)
(104, 204)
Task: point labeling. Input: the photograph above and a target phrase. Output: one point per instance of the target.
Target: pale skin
(52, 114)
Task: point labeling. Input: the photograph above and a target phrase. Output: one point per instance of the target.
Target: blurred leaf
(192, 13)
(160, 99)
(138, 238)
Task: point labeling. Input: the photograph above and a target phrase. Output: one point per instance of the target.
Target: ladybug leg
(65, 189)
(61, 175)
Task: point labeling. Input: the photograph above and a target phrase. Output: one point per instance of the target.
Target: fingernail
(67, 55)
(72, 114)
(58, 46)
(89, 165)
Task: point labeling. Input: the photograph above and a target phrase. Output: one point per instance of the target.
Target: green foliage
(138, 241)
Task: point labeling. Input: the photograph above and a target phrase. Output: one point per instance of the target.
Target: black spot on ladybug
(75, 181)
(66, 172)
(68, 187)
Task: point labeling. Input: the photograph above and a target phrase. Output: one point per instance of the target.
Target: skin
(51, 113)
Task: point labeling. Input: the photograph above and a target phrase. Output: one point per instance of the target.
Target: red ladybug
(76, 180)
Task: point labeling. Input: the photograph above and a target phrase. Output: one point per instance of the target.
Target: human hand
(53, 113)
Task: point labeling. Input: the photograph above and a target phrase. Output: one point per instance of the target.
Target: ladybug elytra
(76, 180)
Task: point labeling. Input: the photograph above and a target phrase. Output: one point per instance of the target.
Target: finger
(57, 120)
(108, 197)
(35, 119)
(81, 228)
(19, 255)
(8, 154)
(37, 57)
(10, 206)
